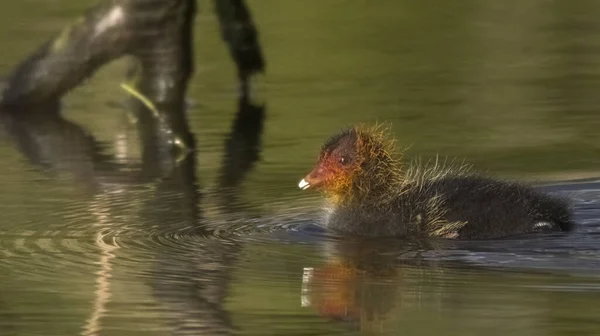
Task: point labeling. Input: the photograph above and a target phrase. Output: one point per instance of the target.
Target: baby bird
(369, 191)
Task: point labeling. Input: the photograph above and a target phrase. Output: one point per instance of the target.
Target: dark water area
(102, 238)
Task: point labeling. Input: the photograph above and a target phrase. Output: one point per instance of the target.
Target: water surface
(116, 246)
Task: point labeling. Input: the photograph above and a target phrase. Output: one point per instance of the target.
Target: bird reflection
(364, 283)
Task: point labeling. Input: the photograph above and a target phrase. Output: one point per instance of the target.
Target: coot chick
(369, 191)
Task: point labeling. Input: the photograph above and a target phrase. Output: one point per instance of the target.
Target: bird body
(369, 191)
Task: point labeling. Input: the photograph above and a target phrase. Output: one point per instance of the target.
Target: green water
(510, 86)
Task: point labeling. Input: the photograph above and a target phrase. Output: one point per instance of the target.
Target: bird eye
(343, 160)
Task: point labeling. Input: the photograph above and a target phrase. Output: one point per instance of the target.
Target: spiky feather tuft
(381, 176)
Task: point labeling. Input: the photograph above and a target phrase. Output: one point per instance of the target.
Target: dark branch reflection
(242, 149)
(190, 283)
(158, 34)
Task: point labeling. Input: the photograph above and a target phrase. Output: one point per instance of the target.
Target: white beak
(303, 185)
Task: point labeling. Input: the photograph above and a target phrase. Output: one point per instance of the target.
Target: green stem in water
(139, 96)
(132, 91)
